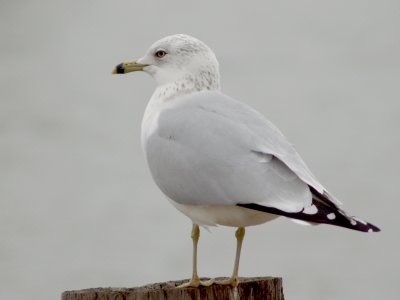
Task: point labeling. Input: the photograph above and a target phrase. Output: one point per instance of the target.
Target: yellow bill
(127, 67)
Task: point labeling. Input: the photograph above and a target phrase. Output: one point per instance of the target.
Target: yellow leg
(234, 280)
(195, 280)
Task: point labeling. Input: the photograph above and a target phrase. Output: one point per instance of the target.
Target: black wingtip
(359, 225)
(373, 228)
(323, 215)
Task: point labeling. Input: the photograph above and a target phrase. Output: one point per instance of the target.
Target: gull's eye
(160, 53)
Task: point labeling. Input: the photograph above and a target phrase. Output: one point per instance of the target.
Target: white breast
(150, 119)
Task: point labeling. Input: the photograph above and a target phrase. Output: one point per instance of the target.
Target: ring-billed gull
(217, 160)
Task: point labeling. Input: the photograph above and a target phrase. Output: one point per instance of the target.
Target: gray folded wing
(212, 149)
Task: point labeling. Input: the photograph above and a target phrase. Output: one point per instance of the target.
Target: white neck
(203, 81)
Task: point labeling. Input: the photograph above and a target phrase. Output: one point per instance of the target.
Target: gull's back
(207, 148)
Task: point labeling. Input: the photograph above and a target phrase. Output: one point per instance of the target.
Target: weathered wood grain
(257, 288)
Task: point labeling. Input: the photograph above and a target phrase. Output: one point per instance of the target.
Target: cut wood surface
(256, 288)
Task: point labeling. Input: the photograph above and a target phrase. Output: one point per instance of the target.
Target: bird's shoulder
(213, 109)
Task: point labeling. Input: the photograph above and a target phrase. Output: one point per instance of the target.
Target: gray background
(78, 207)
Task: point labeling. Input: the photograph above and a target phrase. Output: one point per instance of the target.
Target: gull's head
(179, 59)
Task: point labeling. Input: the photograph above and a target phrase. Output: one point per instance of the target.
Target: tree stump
(257, 288)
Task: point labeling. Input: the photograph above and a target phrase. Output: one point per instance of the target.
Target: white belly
(226, 215)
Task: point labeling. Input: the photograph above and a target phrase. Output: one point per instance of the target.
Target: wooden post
(257, 288)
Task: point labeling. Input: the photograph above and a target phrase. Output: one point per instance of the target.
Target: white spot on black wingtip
(310, 210)
(353, 222)
(331, 216)
(370, 230)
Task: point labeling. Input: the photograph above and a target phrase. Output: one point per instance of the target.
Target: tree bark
(257, 288)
